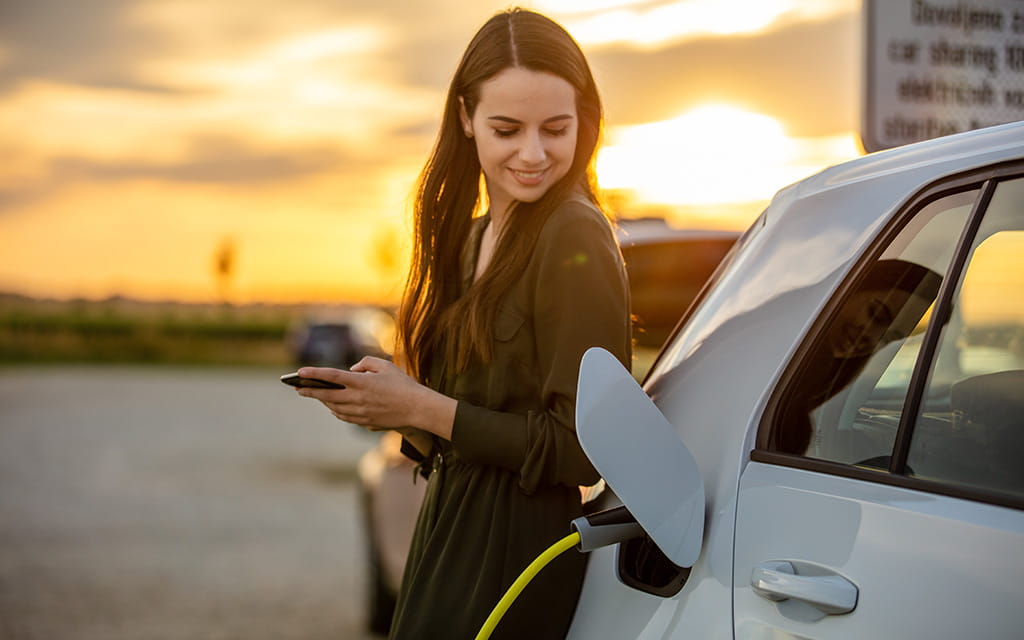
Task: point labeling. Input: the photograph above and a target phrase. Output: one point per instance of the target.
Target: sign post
(936, 67)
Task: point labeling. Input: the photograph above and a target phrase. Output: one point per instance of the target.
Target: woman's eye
(880, 313)
(505, 133)
(557, 132)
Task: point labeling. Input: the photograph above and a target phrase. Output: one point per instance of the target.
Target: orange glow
(712, 155)
(995, 270)
(130, 152)
(148, 240)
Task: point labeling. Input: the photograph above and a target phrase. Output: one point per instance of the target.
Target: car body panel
(713, 379)
(910, 553)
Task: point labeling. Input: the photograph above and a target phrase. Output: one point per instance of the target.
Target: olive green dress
(505, 487)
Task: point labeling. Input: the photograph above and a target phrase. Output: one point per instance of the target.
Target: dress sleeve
(581, 300)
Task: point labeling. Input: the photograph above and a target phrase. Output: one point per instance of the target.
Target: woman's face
(867, 321)
(525, 132)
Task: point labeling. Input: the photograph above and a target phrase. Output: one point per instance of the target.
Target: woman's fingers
(377, 394)
(352, 377)
(358, 419)
(337, 376)
(368, 363)
(347, 401)
(349, 404)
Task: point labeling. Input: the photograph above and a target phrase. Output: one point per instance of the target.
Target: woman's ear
(467, 122)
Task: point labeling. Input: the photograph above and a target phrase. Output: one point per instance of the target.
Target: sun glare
(712, 155)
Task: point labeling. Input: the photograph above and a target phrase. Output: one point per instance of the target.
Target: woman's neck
(499, 215)
(485, 250)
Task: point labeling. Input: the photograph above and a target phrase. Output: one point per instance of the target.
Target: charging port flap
(641, 457)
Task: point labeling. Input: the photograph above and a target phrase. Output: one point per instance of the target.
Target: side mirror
(640, 456)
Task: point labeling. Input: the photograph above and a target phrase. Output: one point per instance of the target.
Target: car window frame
(985, 180)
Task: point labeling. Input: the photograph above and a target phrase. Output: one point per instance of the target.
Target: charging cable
(552, 552)
(589, 532)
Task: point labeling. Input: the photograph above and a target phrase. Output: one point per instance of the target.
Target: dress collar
(471, 251)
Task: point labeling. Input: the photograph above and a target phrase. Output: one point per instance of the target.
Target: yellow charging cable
(541, 561)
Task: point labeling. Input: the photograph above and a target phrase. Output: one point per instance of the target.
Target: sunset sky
(139, 137)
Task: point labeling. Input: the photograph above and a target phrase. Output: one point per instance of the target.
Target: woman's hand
(379, 396)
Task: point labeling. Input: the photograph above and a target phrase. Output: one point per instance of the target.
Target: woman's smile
(525, 130)
(529, 178)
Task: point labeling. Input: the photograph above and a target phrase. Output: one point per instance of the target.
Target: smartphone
(297, 381)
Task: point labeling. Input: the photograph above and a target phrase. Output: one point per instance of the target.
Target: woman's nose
(532, 150)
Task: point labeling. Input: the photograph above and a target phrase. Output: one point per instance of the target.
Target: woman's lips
(529, 178)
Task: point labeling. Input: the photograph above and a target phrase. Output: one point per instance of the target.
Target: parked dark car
(340, 339)
(667, 269)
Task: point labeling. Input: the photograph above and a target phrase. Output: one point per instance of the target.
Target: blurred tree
(387, 253)
(224, 268)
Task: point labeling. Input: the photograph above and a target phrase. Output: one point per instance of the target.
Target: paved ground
(152, 503)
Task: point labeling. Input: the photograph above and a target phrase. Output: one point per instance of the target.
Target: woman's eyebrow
(564, 116)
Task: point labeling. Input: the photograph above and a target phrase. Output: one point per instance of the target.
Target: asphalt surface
(152, 503)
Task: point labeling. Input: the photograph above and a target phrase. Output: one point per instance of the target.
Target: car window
(846, 401)
(970, 432)
(855, 396)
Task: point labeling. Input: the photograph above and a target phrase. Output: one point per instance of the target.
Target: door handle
(829, 593)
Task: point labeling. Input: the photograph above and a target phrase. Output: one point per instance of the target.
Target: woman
(886, 306)
(497, 313)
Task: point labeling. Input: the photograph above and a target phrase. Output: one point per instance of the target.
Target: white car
(831, 444)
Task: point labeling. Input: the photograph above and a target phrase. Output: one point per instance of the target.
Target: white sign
(936, 67)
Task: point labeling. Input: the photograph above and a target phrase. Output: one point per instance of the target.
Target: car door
(885, 494)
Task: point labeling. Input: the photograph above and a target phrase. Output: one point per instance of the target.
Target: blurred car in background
(390, 493)
(667, 268)
(340, 338)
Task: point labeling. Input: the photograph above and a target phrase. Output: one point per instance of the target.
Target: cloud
(111, 43)
(804, 74)
(88, 43)
(216, 160)
(223, 160)
(218, 91)
(655, 23)
(176, 48)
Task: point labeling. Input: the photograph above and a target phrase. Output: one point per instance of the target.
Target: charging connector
(604, 528)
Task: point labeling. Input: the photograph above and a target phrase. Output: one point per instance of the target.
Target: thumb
(368, 364)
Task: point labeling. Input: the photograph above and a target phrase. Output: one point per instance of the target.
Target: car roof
(793, 259)
(968, 150)
(814, 230)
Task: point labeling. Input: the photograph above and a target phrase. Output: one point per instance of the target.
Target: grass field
(121, 331)
(128, 331)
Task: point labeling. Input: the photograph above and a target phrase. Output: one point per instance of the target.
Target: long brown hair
(434, 321)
